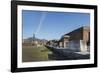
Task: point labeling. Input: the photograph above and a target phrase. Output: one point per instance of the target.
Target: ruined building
(77, 40)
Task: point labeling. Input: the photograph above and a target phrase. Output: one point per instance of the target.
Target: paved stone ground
(66, 54)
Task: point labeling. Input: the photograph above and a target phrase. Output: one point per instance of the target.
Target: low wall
(78, 46)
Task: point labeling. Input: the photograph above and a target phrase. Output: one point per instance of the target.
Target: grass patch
(30, 54)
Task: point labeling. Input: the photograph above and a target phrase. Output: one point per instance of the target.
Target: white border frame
(52, 63)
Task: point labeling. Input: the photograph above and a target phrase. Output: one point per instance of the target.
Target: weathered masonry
(77, 40)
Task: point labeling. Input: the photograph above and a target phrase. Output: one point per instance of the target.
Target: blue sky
(52, 25)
